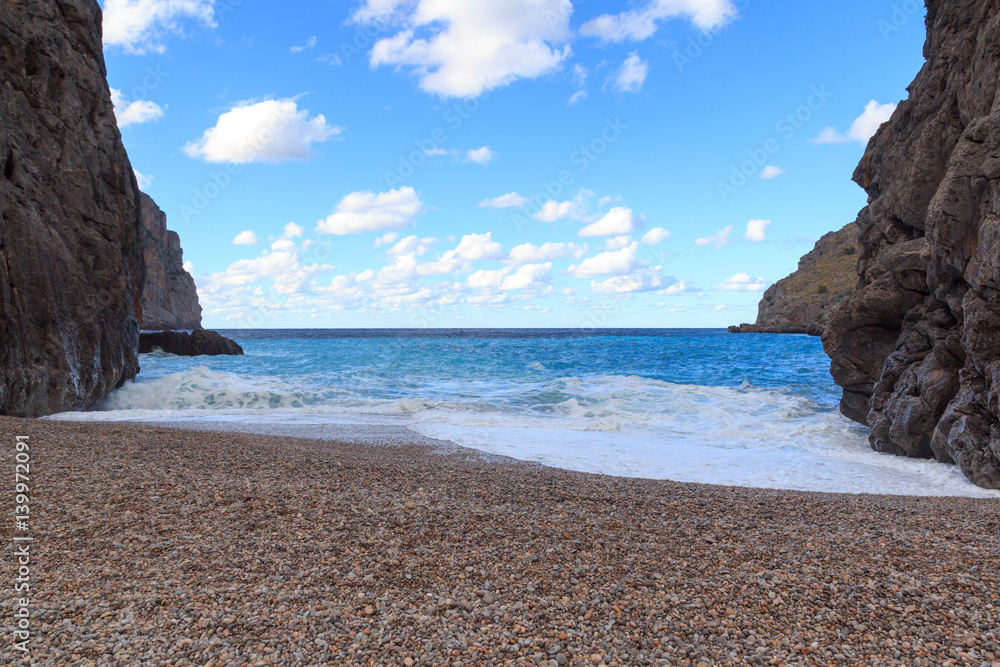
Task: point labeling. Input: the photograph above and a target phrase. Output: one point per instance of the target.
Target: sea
(690, 405)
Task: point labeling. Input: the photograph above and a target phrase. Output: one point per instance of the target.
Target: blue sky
(536, 163)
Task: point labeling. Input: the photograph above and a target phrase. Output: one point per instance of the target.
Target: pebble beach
(157, 546)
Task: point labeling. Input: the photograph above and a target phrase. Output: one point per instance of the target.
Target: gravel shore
(156, 546)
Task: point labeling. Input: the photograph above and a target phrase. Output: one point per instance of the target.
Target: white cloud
(640, 24)
(618, 242)
(610, 263)
(655, 236)
(412, 246)
(463, 48)
(143, 180)
(268, 131)
(471, 248)
(743, 282)
(386, 239)
(756, 231)
(718, 240)
(481, 156)
(617, 221)
(281, 264)
(576, 97)
(246, 238)
(136, 112)
(770, 171)
(527, 277)
(575, 209)
(369, 212)
(292, 231)
(644, 279)
(310, 43)
(632, 74)
(527, 252)
(862, 129)
(138, 26)
(189, 267)
(509, 200)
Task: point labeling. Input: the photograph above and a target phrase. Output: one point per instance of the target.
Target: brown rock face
(169, 297)
(71, 265)
(201, 343)
(917, 346)
(803, 302)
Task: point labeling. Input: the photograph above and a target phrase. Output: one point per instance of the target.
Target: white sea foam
(618, 425)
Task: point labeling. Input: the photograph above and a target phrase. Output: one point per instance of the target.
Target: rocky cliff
(917, 346)
(71, 265)
(169, 297)
(804, 301)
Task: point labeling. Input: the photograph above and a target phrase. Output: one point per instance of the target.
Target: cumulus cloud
(655, 236)
(135, 112)
(611, 263)
(189, 267)
(770, 171)
(292, 231)
(718, 240)
(481, 156)
(644, 279)
(862, 129)
(617, 221)
(743, 282)
(632, 74)
(370, 212)
(281, 264)
(528, 252)
(471, 248)
(268, 131)
(246, 238)
(509, 200)
(574, 209)
(527, 277)
(641, 23)
(386, 239)
(463, 48)
(756, 231)
(139, 26)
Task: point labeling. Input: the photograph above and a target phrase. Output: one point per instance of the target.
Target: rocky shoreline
(234, 549)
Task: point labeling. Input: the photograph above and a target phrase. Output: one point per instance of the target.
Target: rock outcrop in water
(71, 264)
(917, 346)
(803, 302)
(169, 296)
(199, 343)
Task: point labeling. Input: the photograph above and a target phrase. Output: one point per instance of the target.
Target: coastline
(219, 548)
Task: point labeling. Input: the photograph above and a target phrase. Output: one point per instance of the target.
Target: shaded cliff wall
(805, 301)
(71, 265)
(917, 346)
(169, 296)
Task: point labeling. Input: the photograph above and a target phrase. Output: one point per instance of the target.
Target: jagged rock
(201, 342)
(803, 302)
(71, 265)
(169, 296)
(917, 346)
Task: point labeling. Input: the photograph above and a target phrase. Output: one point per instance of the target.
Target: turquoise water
(689, 405)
